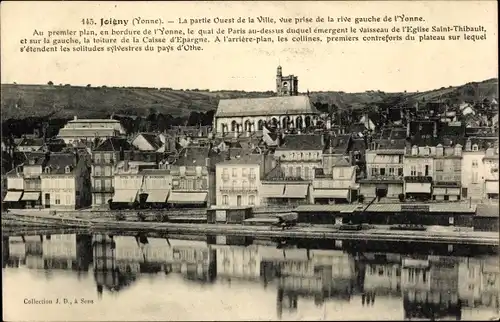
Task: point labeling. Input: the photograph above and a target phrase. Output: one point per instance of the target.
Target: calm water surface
(109, 277)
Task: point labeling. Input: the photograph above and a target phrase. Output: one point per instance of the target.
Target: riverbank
(329, 232)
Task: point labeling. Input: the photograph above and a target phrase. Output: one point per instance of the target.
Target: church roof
(281, 105)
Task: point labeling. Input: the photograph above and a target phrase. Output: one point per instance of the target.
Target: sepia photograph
(249, 161)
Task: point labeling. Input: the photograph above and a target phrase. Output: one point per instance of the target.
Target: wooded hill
(66, 101)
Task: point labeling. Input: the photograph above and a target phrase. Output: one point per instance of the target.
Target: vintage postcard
(249, 160)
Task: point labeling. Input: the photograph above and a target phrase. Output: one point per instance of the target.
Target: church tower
(286, 86)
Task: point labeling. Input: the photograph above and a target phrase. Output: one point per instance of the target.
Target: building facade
(129, 181)
(238, 181)
(384, 170)
(65, 182)
(90, 129)
(418, 172)
(300, 155)
(192, 183)
(447, 178)
(104, 159)
(287, 110)
(338, 187)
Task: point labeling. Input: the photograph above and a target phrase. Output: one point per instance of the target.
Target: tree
(50, 83)
(194, 118)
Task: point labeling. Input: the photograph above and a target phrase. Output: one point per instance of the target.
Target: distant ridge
(65, 101)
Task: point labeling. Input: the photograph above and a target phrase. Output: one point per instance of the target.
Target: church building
(287, 110)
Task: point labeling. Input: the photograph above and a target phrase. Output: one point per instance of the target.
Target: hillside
(65, 101)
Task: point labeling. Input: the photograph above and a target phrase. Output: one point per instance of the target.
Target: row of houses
(300, 169)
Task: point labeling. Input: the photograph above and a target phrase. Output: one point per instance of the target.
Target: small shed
(228, 215)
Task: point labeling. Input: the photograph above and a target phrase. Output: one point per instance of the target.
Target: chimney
(434, 130)
(408, 128)
(125, 165)
(468, 145)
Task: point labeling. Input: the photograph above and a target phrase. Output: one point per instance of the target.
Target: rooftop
(245, 159)
(114, 144)
(302, 142)
(58, 162)
(94, 121)
(339, 144)
(153, 139)
(265, 106)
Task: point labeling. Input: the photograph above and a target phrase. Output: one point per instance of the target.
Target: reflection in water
(425, 286)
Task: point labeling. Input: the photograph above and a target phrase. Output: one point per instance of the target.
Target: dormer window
(414, 150)
(47, 169)
(373, 145)
(67, 169)
(475, 147)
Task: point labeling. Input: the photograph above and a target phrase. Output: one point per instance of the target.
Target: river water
(102, 277)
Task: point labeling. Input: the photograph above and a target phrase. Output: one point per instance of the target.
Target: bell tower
(286, 86)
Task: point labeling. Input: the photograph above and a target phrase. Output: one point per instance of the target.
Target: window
(97, 158)
(411, 274)
(400, 171)
(68, 200)
(98, 199)
(400, 159)
(475, 147)
(439, 165)
(374, 171)
(474, 163)
(251, 200)
(472, 272)
(244, 184)
(244, 172)
(107, 171)
(107, 157)
(382, 171)
(67, 169)
(413, 170)
(182, 171)
(341, 172)
(58, 200)
(225, 200)
(298, 172)
(252, 173)
(391, 171)
(475, 177)
(97, 171)
(225, 174)
(307, 173)
(235, 172)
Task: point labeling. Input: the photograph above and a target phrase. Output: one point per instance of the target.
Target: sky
(349, 67)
